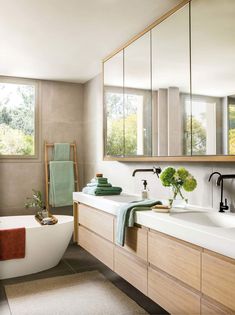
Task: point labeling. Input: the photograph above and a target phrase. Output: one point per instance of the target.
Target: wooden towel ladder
(50, 146)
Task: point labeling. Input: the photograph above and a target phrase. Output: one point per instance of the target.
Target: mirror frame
(188, 158)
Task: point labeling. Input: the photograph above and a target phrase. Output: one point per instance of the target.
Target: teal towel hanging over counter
(61, 183)
(61, 152)
(125, 216)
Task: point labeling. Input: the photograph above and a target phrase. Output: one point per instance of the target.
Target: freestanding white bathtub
(45, 245)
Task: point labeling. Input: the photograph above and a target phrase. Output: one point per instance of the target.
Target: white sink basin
(222, 220)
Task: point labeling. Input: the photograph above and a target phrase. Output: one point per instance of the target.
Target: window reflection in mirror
(114, 106)
(231, 125)
(213, 76)
(137, 97)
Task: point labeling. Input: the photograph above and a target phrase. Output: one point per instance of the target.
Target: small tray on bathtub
(50, 220)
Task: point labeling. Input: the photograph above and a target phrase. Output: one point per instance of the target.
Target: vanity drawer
(175, 257)
(96, 221)
(171, 295)
(218, 278)
(209, 308)
(97, 246)
(136, 241)
(131, 269)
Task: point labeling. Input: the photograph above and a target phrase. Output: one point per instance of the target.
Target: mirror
(171, 91)
(171, 85)
(137, 98)
(213, 77)
(113, 106)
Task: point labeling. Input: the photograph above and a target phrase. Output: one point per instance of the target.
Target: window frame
(35, 83)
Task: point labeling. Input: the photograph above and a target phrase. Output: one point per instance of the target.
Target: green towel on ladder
(61, 183)
(61, 152)
(125, 216)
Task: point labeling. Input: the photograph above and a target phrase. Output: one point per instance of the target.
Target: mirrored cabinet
(169, 94)
(213, 77)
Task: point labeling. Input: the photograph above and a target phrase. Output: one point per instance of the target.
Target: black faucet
(155, 170)
(220, 182)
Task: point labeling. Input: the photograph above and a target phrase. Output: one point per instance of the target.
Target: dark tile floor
(75, 260)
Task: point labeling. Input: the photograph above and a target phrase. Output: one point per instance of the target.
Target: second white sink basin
(222, 220)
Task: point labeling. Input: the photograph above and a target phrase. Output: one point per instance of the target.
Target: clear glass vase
(177, 200)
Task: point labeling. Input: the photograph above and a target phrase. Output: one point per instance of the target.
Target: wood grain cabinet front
(97, 221)
(136, 242)
(97, 246)
(183, 278)
(131, 269)
(179, 259)
(171, 295)
(212, 308)
(218, 278)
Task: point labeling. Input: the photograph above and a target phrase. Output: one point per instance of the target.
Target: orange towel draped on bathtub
(12, 243)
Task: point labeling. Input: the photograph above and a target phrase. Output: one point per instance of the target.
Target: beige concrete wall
(61, 112)
(74, 112)
(206, 194)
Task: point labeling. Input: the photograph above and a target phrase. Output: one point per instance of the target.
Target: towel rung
(61, 161)
(52, 145)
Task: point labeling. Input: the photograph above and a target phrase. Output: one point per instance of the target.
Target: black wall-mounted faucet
(155, 170)
(220, 182)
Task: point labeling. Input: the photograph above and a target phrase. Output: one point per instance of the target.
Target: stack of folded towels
(99, 186)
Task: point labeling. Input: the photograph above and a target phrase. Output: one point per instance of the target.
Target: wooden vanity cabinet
(131, 268)
(136, 242)
(95, 233)
(218, 278)
(212, 308)
(171, 294)
(97, 221)
(179, 276)
(177, 258)
(97, 246)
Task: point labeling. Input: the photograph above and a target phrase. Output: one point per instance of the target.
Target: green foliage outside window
(231, 133)
(17, 123)
(115, 137)
(117, 141)
(198, 137)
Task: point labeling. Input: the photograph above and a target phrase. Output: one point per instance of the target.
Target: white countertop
(219, 239)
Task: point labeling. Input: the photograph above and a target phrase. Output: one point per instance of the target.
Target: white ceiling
(67, 39)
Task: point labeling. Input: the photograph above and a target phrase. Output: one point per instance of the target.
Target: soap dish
(161, 208)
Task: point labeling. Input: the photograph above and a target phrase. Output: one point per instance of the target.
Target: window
(231, 127)
(17, 118)
(128, 126)
(200, 126)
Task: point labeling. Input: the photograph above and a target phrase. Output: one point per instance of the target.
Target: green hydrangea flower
(178, 179)
(167, 176)
(190, 183)
(182, 173)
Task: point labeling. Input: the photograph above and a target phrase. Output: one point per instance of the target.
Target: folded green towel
(61, 183)
(99, 180)
(102, 191)
(125, 216)
(98, 185)
(102, 180)
(61, 152)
